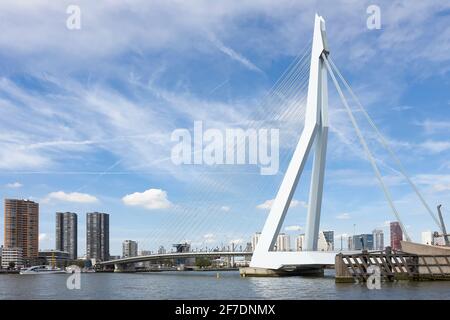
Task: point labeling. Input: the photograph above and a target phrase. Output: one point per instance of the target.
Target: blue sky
(86, 115)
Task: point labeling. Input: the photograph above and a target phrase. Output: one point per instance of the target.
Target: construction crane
(444, 230)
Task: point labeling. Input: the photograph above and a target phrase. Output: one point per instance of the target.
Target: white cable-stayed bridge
(298, 99)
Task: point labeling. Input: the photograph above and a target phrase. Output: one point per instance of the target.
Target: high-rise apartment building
(350, 243)
(283, 242)
(97, 236)
(22, 227)
(378, 239)
(129, 249)
(255, 240)
(396, 235)
(67, 233)
(299, 242)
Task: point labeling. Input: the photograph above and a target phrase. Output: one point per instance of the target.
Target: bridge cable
(282, 86)
(219, 184)
(386, 145)
(365, 146)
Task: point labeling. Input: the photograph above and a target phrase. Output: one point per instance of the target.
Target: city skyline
(67, 225)
(100, 141)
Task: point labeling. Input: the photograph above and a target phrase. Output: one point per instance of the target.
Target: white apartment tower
(255, 240)
(283, 242)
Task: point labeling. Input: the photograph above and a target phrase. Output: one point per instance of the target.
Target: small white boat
(42, 270)
(88, 270)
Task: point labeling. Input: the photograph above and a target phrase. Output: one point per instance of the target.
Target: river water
(206, 285)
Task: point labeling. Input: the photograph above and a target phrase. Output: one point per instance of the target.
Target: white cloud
(44, 237)
(359, 178)
(14, 185)
(11, 158)
(266, 205)
(402, 108)
(234, 55)
(435, 146)
(225, 208)
(343, 216)
(296, 203)
(435, 126)
(441, 187)
(209, 238)
(236, 241)
(437, 182)
(104, 118)
(150, 199)
(293, 228)
(70, 197)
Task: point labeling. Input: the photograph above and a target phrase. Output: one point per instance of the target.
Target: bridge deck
(177, 255)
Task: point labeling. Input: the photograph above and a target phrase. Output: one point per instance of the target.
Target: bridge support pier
(124, 267)
(263, 272)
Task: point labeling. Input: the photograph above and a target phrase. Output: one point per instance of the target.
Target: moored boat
(42, 270)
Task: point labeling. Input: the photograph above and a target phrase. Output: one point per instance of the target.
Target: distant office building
(438, 240)
(12, 257)
(55, 258)
(255, 240)
(283, 242)
(396, 235)
(299, 242)
(325, 241)
(22, 227)
(428, 237)
(329, 236)
(378, 239)
(97, 236)
(161, 250)
(1, 251)
(350, 243)
(116, 257)
(248, 247)
(363, 242)
(184, 247)
(129, 249)
(145, 253)
(67, 233)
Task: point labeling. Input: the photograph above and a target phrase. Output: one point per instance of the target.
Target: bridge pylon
(314, 135)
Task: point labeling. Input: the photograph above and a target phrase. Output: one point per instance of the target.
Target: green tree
(202, 262)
